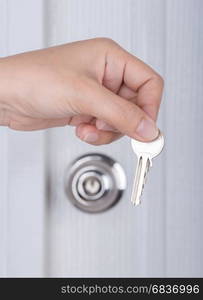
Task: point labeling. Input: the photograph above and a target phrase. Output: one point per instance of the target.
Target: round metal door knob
(91, 186)
(94, 182)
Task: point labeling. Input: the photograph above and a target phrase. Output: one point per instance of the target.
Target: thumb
(119, 113)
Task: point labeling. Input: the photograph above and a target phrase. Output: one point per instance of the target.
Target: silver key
(145, 152)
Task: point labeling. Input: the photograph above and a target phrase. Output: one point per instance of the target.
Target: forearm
(5, 91)
(4, 120)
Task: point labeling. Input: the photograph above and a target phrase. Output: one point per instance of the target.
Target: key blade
(134, 195)
(142, 169)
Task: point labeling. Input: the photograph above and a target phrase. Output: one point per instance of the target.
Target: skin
(94, 85)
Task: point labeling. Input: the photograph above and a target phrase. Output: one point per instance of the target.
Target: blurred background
(41, 232)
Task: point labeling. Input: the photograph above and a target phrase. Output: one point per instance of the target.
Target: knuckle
(159, 79)
(105, 41)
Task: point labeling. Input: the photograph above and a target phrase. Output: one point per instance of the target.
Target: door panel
(42, 233)
(121, 241)
(21, 157)
(161, 238)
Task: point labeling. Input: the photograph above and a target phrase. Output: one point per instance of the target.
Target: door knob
(94, 182)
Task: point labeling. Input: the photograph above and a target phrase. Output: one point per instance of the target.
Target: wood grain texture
(3, 155)
(163, 236)
(122, 241)
(184, 115)
(21, 158)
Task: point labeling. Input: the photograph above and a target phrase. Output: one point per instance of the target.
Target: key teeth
(136, 203)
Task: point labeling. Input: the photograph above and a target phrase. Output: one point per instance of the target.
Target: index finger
(142, 79)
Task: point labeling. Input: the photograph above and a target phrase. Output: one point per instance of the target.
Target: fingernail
(90, 137)
(147, 129)
(104, 126)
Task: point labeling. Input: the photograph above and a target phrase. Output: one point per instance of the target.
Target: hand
(94, 85)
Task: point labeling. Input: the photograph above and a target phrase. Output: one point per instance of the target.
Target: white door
(41, 232)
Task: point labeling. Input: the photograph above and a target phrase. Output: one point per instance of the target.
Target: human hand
(94, 85)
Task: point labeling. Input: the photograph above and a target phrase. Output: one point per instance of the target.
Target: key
(145, 152)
